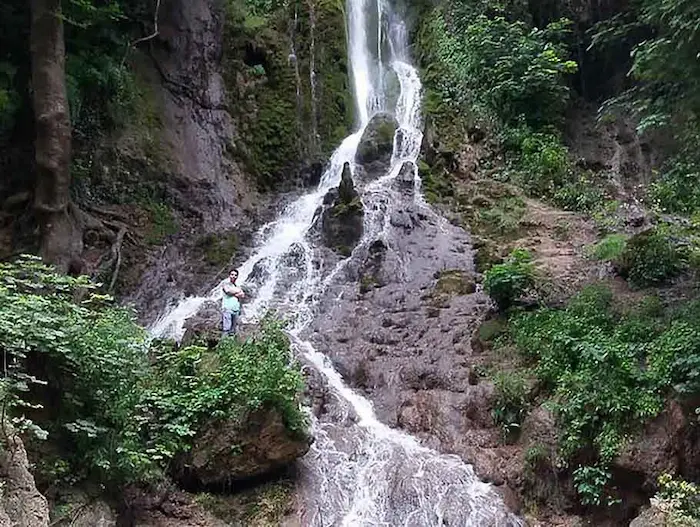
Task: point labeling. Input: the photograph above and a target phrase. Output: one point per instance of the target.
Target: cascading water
(359, 472)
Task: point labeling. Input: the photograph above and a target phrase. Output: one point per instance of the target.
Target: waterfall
(359, 471)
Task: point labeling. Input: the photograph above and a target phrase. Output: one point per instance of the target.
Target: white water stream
(359, 472)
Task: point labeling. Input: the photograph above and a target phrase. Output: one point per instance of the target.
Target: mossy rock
(218, 249)
(377, 142)
(451, 283)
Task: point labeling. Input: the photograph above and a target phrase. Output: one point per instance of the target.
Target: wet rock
(371, 269)
(376, 145)
(259, 443)
(405, 180)
(342, 216)
(21, 504)
(204, 327)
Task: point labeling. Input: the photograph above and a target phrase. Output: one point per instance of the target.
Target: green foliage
(677, 190)
(681, 499)
(507, 282)
(510, 406)
(84, 364)
(503, 218)
(193, 386)
(590, 483)
(506, 67)
(608, 371)
(663, 37)
(610, 248)
(162, 222)
(101, 93)
(89, 353)
(651, 258)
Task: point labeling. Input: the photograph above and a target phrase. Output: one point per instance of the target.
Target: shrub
(607, 371)
(650, 258)
(505, 67)
(507, 282)
(510, 406)
(681, 499)
(70, 351)
(590, 483)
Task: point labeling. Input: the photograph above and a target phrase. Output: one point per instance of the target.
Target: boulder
(205, 326)
(376, 145)
(342, 217)
(95, 513)
(660, 448)
(234, 450)
(21, 504)
(651, 517)
(405, 180)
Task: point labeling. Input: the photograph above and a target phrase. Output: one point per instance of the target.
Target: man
(230, 304)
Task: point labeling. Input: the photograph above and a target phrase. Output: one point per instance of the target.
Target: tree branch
(155, 28)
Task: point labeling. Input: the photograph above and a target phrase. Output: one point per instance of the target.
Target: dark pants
(229, 320)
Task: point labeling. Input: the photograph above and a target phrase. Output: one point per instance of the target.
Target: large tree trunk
(61, 234)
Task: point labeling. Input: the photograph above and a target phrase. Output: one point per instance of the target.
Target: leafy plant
(477, 56)
(650, 258)
(591, 483)
(607, 371)
(84, 363)
(510, 406)
(680, 499)
(508, 281)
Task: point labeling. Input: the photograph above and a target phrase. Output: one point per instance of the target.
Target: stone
(342, 216)
(21, 504)
(651, 517)
(234, 450)
(405, 180)
(660, 448)
(96, 513)
(205, 326)
(376, 145)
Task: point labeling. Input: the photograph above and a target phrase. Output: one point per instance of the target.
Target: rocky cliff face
(21, 504)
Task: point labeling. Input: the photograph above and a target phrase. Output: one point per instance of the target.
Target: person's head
(233, 275)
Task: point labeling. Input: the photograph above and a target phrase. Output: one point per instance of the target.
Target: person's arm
(239, 293)
(229, 289)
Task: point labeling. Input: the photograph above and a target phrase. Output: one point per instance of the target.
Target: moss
(162, 223)
(277, 133)
(435, 182)
(261, 506)
(454, 282)
(218, 249)
(367, 282)
(351, 208)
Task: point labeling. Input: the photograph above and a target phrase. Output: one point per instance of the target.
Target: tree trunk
(61, 235)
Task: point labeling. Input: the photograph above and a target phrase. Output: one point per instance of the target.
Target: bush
(510, 407)
(506, 67)
(650, 258)
(607, 371)
(507, 282)
(681, 499)
(83, 362)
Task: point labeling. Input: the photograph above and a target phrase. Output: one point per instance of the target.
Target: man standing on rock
(230, 304)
